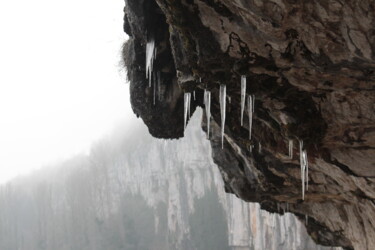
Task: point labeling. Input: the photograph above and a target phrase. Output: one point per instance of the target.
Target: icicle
(250, 111)
(291, 149)
(306, 219)
(243, 93)
(189, 104)
(251, 148)
(194, 94)
(186, 106)
(223, 95)
(306, 166)
(302, 165)
(259, 148)
(150, 55)
(207, 103)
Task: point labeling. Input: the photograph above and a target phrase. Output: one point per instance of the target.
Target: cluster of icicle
(150, 74)
(150, 57)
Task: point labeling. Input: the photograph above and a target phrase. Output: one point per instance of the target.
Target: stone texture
(311, 66)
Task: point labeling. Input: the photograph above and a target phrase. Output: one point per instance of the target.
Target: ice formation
(150, 56)
(250, 109)
(186, 107)
(207, 103)
(304, 164)
(223, 94)
(243, 93)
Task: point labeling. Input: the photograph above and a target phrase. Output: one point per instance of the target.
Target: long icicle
(302, 165)
(250, 111)
(189, 105)
(150, 55)
(186, 104)
(290, 148)
(207, 103)
(243, 93)
(306, 161)
(223, 94)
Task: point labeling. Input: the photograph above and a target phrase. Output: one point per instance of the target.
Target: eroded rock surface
(311, 67)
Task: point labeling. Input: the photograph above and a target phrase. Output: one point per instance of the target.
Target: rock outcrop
(311, 67)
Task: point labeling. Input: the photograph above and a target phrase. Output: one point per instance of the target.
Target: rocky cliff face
(310, 66)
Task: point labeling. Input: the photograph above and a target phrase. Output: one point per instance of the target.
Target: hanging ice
(306, 162)
(186, 107)
(150, 55)
(223, 94)
(207, 103)
(194, 94)
(243, 93)
(304, 166)
(189, 106)
(290, 149)
(260, 148)
(250, 110)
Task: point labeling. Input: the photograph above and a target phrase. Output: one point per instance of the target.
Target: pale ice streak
(243, 93)
(304, 164)
(223, 94)
(250, 109)
(150, 55)
(207, 103)
(186, 107)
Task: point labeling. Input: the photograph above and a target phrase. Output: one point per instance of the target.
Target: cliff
(156, 194)
(311, 68)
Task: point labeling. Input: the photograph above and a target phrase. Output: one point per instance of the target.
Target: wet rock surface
(311, 67)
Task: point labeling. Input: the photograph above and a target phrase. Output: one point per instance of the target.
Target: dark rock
(310, 65)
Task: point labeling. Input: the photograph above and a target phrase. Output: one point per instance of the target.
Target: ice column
(222, 97)
(243, 93)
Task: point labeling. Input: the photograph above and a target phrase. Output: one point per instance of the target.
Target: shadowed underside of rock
(311, 67)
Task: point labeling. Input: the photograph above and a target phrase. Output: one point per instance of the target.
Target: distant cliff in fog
(136, 192)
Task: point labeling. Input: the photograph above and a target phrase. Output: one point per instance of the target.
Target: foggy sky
(60, 84)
